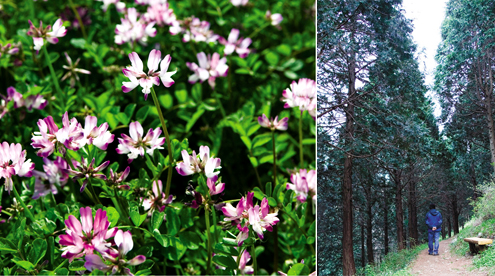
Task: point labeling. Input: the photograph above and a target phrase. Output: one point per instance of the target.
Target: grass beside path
(394, 264)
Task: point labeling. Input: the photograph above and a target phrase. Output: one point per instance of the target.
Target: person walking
(434, 223)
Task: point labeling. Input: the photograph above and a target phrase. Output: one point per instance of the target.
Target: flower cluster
(234, 43)
(55, 173)
(71, 136)
(39, 34)
(8, 49)
(119, 5)
(33, 101)
(245, 215)
(199, 163)
(13, 162)
(301, 94)
(209, 68)
(238, 3)
(133, 29)
(73, 70)
(304, 184)
(273, 124)
(137, 76)
(137, 145)
(114, 260)
(274, 19)
(160, 13)
(86, 171)
(157, 200)
(194, 29)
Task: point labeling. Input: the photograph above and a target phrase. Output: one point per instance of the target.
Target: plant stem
(169, 145)
(26, 209)
(258, 30)
(92, 189)
(88, 193)
(253, 255)
(274, 160)
(207, 220)
(78, 17)
(300, 140)
(52, 72)
(220, 104)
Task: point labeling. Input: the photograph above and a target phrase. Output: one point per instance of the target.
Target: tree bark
(399, 212)
(473, 181)
(450, 226)
(363, 253)
(369, 230)
(413, 215)
(455, 215)
(385, 221)
(349, 267)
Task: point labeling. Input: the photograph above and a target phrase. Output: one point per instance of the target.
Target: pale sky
(427, 16)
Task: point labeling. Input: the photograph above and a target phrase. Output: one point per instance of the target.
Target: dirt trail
(445, 264)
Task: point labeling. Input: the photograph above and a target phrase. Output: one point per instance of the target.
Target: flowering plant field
(156, 137)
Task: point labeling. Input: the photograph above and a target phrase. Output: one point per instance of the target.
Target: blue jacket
(434, 219)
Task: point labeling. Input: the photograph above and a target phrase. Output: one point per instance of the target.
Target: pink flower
(209, 68)
(245, 257)
(157, 202)
(45, 139)
(238, 3)
(194, 29)
(260, 219)
(71, 135)
(107, 3)
(86, 171)
(301, 94)
(118, 178)
(83, 237)
(137, 145)
(275, 18)
(39, 34)
(213, 187)
(55, 172)
(160, 13)
(13, 162)
(303, 183)
(133, 30)
(137, 76)
(198, 163)
(232, 44)
(72, 74)
(8, 49)
(273, 123)
(13, 95)
(98, 136)
(118, 264)
(240, 212)
(35, 101)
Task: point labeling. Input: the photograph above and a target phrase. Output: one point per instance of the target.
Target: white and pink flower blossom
(33, 101)
(213, 186)
(13, 162)
(235, 215)
(88, 171)
(209, 68)
(234, 43)
(303, 184)
(194, 29)
(301, 94)
(274, 19)
(107, 3)
(238, 3)
(117, 179)
(39, 34)
(199, 163)
(116, 263)
(16, 97)
(137, 76)
(273, 124)
(83, 237)
(261, 220)
(160, 13)
(55, 173)
(133, 30)
(243, 267)
(137, 145)
(72, 74)
(157, 200)
(98, 136)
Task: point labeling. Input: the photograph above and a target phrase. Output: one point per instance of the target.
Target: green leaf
(113, 216)
(288, 197)
(254, 161)
(166, 100)
(136, 218)
(62, 271)
(308, 141)
(299, 269)
(6, 245)
(190, 239)
(176, 249)
(284, 49)
(268, 189)
(196, 92)
(77, 266)
(226, 261)
(173, 221)
(122, 117)
(261, 139)
(229, 241)
(246, 141)
(24, 264)
(78, 42)
(194, 118)
(258, 193)
(142, 113)
(266, 158)
(157, 219)
(272, 58)
(159, 237)
(291, 75)
(272, 202)
(181, 95)
(38, 251)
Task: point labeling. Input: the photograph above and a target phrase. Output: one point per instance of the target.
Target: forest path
(445, 264)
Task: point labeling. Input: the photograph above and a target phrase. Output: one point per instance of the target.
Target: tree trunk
(455, 215)
(443, 233)
(473, 181)
(450, 226)
(413, 216)
(369, 230)
(363, 253)
(385, 221)
(349, 267)
(399, 213)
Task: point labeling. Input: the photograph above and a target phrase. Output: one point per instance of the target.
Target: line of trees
(381, 158)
